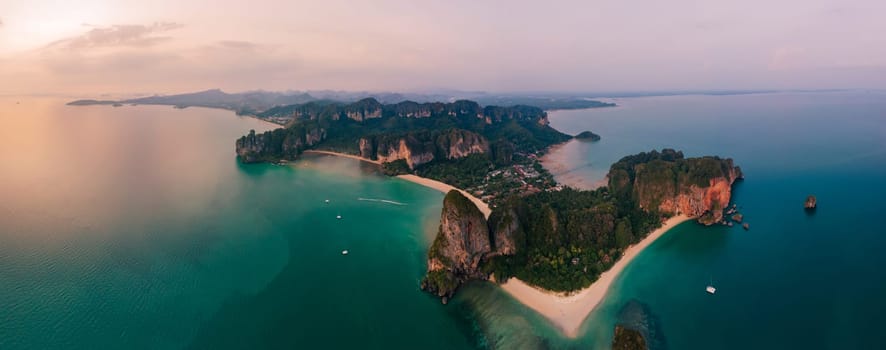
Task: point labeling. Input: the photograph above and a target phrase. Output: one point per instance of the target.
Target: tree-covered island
(554, 237)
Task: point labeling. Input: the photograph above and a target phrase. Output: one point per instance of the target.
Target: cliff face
(283, 143)
(364, 109)
(505, 228)
(370, 108)
(461, 243)
(696, 201)
(422, 147)
(669, 183)
(416, 133)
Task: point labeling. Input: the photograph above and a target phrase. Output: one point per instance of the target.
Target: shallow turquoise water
(793, 280)
(134, 227)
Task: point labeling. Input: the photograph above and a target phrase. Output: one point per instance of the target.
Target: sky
(90, 47)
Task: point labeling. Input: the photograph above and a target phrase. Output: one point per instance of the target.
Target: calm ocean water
(134, 227)
(793, 280)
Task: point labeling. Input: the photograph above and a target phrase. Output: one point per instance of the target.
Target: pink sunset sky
(166, 46)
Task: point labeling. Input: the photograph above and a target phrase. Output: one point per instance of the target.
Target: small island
(587, 136)
(811, 203)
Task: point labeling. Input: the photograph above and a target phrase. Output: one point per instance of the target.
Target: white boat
(710, 288)
(338, 216)
(327, 201)
(344, 252)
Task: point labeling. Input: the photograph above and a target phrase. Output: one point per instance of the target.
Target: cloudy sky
(165, 46)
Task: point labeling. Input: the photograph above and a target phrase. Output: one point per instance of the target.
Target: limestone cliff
(282, 143)
(364, 109)
(408, 133)
(667, 182)
(422, 147)
(461, 244)
(505, 228)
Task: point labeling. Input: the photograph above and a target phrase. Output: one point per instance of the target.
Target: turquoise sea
(135, 227)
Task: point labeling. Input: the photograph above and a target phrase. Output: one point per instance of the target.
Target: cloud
(235, 44)
(127, 35)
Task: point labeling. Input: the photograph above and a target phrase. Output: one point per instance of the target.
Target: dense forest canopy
(509, 130)
(565, 239)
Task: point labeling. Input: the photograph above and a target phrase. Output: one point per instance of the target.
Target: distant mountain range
(243, 103)
(258, 103)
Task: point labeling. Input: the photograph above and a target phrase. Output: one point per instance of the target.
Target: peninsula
(558, 251)
(504, 218)
(554, 248)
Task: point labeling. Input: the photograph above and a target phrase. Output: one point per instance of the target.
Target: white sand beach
(568, 312)
(442, 187)
(345, 155)
(437, 185)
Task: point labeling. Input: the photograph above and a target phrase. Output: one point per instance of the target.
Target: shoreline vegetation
(423, 181)
(567, 311)
(565, 242)
(504, 215)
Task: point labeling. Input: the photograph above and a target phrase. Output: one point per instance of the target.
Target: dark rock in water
(587, 136)
(637, 317)
(628, 339)
(746, 226)
(737, 217)
(811, 202)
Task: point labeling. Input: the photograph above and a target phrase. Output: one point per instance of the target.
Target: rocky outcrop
(461, 244)
(670, 184)
(703, 202)
(811, 202)
(504, 226)
(365, 109)
(422, 147)
(628, 339)
(415, 151)
(249, 147)
(277, 144)
(587, 136)
(370, 108)
(314, 136)
(415, 133)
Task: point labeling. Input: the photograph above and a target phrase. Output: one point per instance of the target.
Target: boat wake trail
(380, 201)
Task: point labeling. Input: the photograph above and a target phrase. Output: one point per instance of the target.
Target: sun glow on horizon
(32, 27)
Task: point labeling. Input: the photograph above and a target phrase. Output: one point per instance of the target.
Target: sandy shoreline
(442, 187)
(345, 155)
(563, 173)
(568, 312)
(276, 126)
(434, 184)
